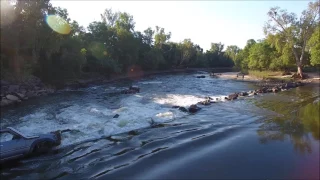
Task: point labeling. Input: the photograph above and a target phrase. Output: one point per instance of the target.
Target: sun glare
(58, 24)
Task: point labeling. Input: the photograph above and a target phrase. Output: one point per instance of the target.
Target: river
(269, 136)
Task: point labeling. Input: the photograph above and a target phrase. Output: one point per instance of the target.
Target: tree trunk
(298, 62)
(299, 72)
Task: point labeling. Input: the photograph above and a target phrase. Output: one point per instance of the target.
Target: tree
(216, 48)
(243, 56)
(187, 51)
(161, 37)
(294, 32)
(260, 56)
(314, 46)
(233, 52)
(148, 36)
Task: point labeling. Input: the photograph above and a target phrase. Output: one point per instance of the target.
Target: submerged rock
(12, 97)
(201, 76)
(134, 88)
(275, 89)
(194, 108)
(232, 96)
(116, 116)
(252, 94)
(183, 109)
(205, 102)
(13, 88)
(290, 85)
(6, 102)
(299, 84)
(20, 96)
(131, 90)
(133, 133)
(243, 94)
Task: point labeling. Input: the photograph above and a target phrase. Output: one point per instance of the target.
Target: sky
(204, 22)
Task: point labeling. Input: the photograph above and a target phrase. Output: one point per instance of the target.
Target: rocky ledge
(265, 87)
(14, 93)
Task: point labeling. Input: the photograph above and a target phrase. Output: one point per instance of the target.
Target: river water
(268, 136)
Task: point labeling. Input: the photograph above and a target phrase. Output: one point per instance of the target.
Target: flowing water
(265, 136)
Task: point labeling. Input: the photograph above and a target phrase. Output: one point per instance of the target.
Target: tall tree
(161, 37)
(233, 52)
(295, 32)
(260, 56)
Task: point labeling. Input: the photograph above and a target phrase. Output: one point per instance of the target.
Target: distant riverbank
(313, 78)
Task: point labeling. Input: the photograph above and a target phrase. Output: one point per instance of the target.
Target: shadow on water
(297, 118)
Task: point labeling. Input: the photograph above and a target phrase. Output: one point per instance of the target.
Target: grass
(270, 75)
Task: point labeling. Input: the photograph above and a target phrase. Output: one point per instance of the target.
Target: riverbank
(313, 78)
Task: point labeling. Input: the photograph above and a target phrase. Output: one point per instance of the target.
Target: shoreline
(314, 78)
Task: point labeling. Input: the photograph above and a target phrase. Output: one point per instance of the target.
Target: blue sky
(229, 22)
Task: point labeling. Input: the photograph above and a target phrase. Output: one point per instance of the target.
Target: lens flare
(135, 72)
(58, 24)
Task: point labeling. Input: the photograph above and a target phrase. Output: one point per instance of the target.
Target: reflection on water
(310, 118)
(297, 118)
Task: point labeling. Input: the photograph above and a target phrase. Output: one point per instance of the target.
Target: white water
(89, 119)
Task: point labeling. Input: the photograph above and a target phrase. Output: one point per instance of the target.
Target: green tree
(295, 32)
(161, 37)
(260, 56)
(314, 46)
(243, 56)
(233, 52)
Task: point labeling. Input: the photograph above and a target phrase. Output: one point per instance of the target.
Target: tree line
(112, 45)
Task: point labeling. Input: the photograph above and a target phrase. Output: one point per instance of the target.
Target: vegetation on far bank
(113, 46)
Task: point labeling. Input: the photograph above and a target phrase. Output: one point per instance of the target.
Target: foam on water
(90, 121)
(89, 115)
(178, 99)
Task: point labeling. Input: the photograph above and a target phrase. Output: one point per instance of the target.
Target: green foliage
(260, 56)
(286, 31)
(111, 45)
(314, 45)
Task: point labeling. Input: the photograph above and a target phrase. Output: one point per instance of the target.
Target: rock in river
(205, 102)
(6, 102)
(243, 94)
(275, 89)
(135, 88)
(183, 109)
(232, 96)
(194, 108)
(201, 76)
(12, 98)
